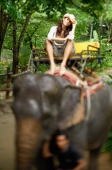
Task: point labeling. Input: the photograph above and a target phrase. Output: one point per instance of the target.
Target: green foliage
(6, 54)
(106, 51)
(3, 68)
(95, 36)
(38, 29)
(40, 25)
(5, 62)
(42, 68)
(51, 8)
(106, 47)
(93, 7)
(4, 65)
(108, 144)
(24, 55)
(108, 15)
(83, 21)
(10, 7)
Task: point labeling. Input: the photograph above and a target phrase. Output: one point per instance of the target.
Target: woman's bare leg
(49, 49)
(67, 52)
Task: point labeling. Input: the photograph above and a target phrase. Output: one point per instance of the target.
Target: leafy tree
(16, 16)
(39, 27)
(17, 11)
(94, 7)
(4, 21)
(106, 20)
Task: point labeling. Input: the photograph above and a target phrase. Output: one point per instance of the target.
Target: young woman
(60, 41)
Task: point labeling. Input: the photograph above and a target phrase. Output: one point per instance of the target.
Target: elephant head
(42, 103)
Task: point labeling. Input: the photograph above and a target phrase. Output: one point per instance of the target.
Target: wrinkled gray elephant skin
(40, 102)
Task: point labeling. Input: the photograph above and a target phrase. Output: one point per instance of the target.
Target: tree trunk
(30, 40)
(30, 37)
(103, 17)
(15, 58)
(4, 21)
(16, 45)
(22, 33)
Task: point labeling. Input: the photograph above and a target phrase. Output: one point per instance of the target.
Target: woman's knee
(70, 46)
(70, 42)
(48, 42)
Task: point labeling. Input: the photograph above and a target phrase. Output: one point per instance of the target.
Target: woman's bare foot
(52, 69)
(57, 68)
(62, 70)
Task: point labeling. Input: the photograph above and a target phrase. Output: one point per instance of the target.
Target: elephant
(43, 103)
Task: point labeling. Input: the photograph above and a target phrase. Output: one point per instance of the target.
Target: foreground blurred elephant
(44, 102)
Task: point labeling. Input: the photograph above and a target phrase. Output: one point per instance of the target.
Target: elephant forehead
(26, 108)
(26, 81)
(33, 104)
(30, 81)
(48, 83)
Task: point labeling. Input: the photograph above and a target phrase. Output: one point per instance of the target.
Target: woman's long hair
(59, 29)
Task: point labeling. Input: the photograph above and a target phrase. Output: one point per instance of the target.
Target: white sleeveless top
(52, 33)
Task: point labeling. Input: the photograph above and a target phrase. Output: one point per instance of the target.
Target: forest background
(24, 23)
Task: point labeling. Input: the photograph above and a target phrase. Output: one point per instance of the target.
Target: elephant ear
(71, 108)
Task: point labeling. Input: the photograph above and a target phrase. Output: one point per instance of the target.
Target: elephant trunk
(27, 141)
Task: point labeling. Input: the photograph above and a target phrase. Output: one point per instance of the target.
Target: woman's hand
(62, 69)
(66, 38)
(52, 69)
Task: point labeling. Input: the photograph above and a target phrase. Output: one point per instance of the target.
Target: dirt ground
(7, 140)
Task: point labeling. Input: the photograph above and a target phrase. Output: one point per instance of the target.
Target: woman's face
(66, 22)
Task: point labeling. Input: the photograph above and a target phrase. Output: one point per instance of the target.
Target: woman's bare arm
(59, 39)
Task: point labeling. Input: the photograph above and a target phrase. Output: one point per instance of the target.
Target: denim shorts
(58, 49)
